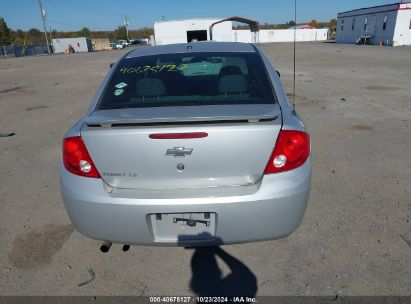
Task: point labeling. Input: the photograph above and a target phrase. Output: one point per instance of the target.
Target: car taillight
(291, 151)
(76, 158)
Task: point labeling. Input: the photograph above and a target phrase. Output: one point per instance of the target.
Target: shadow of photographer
(207, 278)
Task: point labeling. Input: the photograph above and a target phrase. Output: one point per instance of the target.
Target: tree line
(35, 36)
(331, 25)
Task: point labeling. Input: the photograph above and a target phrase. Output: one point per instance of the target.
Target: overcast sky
(71, 15)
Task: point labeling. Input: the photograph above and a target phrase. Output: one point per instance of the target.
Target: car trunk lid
(233, 149)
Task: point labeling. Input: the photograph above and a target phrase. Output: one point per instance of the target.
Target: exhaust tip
(126, 247)
(105, 247)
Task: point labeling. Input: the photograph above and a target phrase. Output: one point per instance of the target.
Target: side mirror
(278, 73)
(111, 64)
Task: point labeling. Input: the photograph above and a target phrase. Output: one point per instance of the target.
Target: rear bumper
(273, 211)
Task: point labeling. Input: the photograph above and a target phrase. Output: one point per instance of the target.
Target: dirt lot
(356, 103)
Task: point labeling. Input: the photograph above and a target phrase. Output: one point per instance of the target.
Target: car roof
(201, 46)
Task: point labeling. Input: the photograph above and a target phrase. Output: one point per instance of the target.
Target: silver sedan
(190, 145)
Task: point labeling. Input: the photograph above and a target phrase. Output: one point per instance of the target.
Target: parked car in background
(188, 145)
(138, 42)
(124, 43)
(134, 42)
(116, 45)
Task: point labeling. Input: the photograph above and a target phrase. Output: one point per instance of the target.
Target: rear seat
(232, 81)
(150, 87)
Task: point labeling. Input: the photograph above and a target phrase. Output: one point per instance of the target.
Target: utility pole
(43, 15)
(126, 23)
(51, 42)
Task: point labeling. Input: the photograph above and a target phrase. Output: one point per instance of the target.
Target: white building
(182, 31)
(79, 45)
(386, 24)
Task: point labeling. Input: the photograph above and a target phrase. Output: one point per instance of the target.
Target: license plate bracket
(183, 227)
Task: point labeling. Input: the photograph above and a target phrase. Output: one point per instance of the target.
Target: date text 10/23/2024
(200, 299)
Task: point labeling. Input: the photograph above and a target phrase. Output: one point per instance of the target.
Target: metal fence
(19, 50)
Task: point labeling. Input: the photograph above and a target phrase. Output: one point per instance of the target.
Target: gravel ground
(355, 237)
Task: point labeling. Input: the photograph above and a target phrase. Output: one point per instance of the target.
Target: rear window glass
(188, 80)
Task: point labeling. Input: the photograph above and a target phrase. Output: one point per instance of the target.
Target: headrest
(232, 84)
(230, 70)
(150, 87)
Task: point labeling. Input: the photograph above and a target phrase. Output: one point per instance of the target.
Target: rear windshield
(191, 79)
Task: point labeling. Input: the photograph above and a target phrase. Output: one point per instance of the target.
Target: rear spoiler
(184, 115)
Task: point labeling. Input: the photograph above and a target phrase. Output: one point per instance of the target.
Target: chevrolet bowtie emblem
(179, 152)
